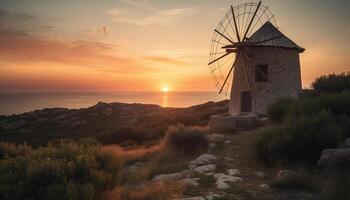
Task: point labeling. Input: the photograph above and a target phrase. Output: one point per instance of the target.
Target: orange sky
(143, 45)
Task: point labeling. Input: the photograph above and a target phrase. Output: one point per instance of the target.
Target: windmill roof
(268, 31)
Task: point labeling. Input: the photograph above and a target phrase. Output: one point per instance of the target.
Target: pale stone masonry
(283, 72)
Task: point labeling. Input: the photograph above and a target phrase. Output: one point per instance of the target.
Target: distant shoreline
(21, 102)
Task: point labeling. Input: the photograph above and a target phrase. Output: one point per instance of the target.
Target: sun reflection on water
(165, 100)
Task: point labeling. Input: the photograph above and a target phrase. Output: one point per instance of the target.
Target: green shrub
(332, 83)
(61, 171)
(127, 133)
(301, 140)
(337, 104)
(277, 110)
(186, 139)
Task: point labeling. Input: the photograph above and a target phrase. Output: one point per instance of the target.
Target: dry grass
(155, 191)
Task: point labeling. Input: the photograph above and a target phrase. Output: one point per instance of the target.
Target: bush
(277, 110)
(186, 139)
(139, 135)
(62, 171)
(332, 83)
(337, 104)
(301, 140)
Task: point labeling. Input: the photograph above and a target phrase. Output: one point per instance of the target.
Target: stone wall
(283, 73)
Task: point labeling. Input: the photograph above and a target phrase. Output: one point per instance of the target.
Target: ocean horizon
(20, 102)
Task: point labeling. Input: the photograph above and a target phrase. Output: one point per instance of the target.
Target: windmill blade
(234, 20)
(251, 21)
(228, 75)
(273, 38)
(219, 58)
(246, 72)
(224, 36)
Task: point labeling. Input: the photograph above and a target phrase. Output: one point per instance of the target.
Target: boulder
(204, 169)
(222, 179)
(233, 172)
(168, 177)
(335, 158)
(283, 174)
(264, 186)
(202, 160)
(260, 174)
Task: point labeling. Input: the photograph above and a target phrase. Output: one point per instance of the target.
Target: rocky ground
(229, 170)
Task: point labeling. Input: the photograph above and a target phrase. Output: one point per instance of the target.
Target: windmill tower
(252, 61)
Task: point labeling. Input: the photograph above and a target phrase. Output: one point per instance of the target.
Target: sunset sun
(165, 88)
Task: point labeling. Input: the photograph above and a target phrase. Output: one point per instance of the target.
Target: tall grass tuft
(187, 140)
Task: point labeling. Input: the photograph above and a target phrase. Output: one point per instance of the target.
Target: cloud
(18, 46)
(165, 59)
(142, 13)
(10, 16)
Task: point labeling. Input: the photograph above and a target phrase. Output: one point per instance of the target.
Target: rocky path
(229, 170)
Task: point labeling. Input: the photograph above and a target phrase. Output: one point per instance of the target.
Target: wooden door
(246, 102)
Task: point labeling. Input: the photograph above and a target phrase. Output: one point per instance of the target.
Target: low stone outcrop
(335, 158)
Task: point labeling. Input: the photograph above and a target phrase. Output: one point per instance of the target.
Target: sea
(20, 102)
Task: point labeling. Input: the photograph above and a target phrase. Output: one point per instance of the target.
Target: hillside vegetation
(109, 123)
(302, 128)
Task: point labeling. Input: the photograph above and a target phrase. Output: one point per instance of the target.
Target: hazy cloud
(143, 13)
(165, 59)
(18, 46)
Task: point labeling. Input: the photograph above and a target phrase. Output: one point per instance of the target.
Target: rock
(168, 177)
(132, 168)
(202, 160)
(260, 174)
(233, 172)
(229, 159)
(193, 198)
(282, 174)
(216, 137)
(221, 180)
(212, 196)
(222, 185)
(189, 181)
(264, 186)
(204, 169)
(227, 141)
(212, 145)
(335, 158)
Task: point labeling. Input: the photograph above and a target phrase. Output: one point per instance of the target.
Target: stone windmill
(252, 61)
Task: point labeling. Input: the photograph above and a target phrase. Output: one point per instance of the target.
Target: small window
(261, 73)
